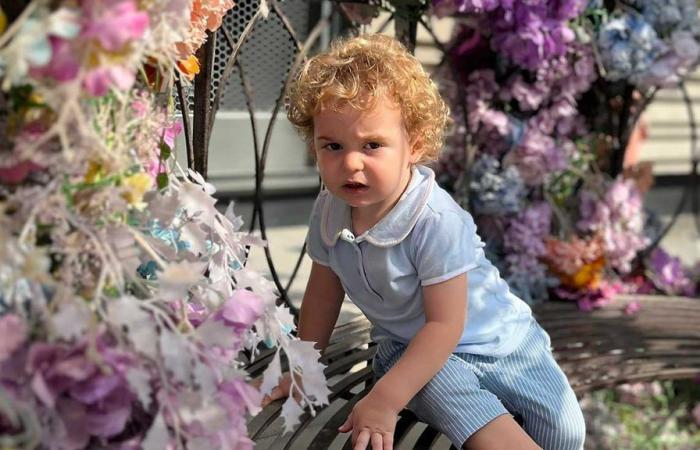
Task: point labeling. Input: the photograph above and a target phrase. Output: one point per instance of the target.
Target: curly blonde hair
(357, 71)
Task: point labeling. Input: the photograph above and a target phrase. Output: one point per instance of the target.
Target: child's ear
(416, 150)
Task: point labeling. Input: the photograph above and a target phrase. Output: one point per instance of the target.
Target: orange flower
(206, 15)
(588, 276)
(189, 67)
(578, 263)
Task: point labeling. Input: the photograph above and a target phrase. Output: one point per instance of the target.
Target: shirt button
(347, 235)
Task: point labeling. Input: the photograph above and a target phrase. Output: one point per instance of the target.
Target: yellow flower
(189, 67)
(135, 186)
(94, 172)
(3, 21)
(588, 276)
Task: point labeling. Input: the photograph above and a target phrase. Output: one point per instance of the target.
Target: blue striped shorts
(472, 390)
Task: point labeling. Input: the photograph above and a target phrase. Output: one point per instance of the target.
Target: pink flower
(114, 23)
(99, 81)
(64, 65)
(632, 308)
(14, 332)
(241, 310)
(140, 108)
(172, 132)
(17, 173)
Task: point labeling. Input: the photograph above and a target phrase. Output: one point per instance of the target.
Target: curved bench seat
(599, 349)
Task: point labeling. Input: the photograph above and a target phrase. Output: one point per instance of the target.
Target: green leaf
(165, 151)
(162, 180)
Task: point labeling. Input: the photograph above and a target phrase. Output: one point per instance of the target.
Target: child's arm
(320, 307)
(373, 419)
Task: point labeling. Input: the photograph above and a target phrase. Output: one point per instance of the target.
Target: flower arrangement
(545, 95)
(125, 302)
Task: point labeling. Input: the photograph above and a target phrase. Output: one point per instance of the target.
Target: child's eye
(333, 146)
(373, 145)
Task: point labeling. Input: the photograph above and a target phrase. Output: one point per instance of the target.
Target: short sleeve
(446, 245)
(316, 249)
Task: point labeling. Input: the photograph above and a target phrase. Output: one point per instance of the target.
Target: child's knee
(569, 433)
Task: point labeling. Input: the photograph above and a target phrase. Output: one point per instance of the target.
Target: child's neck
(363, 219)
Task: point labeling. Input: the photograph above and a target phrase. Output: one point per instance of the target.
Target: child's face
(364, 157)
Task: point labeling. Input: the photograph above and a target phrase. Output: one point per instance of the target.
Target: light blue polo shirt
(425, 239)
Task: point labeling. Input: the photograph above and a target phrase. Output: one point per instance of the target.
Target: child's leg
(529, 382)
(501, 433)
(455, 403)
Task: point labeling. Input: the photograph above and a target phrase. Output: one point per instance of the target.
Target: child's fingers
(389, 441)
(275, 394)
(377, 441)
(347, 425)
(362, 440)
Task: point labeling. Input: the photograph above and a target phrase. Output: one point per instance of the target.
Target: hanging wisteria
(124, 300)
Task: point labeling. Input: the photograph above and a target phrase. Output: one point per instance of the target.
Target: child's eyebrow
(363, 137)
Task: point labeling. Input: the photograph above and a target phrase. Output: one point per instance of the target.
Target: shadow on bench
(600, 349)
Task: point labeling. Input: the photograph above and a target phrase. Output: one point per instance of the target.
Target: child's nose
(353, 161)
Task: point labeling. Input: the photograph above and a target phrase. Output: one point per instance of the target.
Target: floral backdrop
(545, 96)
(126, 309)
(124, 298)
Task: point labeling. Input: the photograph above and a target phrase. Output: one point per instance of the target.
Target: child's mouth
(355, 187)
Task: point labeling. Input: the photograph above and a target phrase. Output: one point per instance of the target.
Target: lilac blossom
(532, 32)
(89, 399)
(536, 156)
(524, 246)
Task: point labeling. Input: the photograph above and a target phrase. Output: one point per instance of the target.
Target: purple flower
(524, 245)
(536, 156)
(14, 333)
(668, 275)
(444, 8)
(529, 96)
(90, 400)
(532, 32)
(527, 230)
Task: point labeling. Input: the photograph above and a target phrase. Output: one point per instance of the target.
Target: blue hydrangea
(667, 16)
(495, 191)
(628, 46)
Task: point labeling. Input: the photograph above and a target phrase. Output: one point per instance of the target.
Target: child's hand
(372, 422)
(280, 391)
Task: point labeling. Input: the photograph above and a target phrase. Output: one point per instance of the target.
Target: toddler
(455, 346)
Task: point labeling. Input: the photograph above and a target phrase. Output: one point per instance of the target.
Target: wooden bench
(596, 350)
